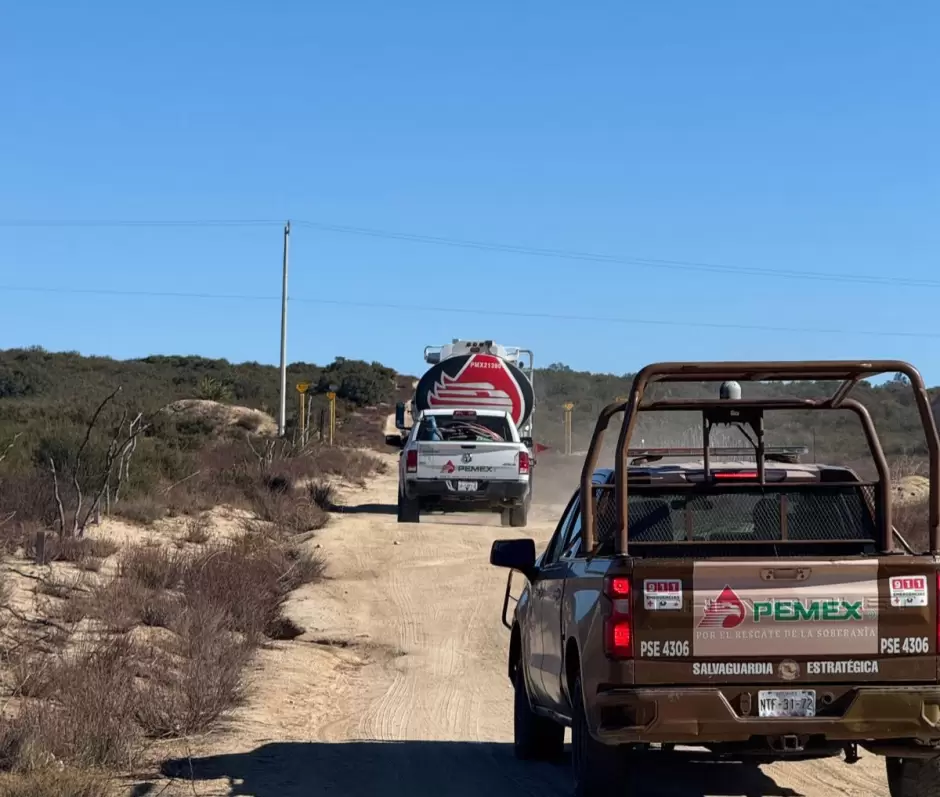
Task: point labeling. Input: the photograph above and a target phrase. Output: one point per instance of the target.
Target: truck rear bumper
(445, 490)
(696, 716)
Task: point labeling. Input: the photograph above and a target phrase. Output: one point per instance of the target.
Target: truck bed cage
(848, 373)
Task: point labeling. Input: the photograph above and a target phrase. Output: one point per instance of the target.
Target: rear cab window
(464, 429)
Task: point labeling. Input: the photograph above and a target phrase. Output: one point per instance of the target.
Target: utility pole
(282, 417)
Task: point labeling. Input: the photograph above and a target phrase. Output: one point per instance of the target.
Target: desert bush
(87, 717)
(73, 549)
(154, 567)
(323, 494)
(122, 604)
(142, 509)
(199, 677)
(55, 781)
(250, 578)
(287, 512)
(197, 530)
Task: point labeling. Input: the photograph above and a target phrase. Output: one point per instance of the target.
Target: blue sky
(798, 137)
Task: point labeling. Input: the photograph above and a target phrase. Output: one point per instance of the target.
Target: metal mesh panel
(817, 512)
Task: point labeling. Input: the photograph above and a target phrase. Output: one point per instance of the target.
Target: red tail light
(524, 462)
(618, 630)
(411, 461)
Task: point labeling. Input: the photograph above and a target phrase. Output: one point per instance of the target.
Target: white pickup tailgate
(476, 461)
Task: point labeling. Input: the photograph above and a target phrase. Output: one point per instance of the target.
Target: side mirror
(526, 441)
(400, 415)
(514, 554)
(394, 440)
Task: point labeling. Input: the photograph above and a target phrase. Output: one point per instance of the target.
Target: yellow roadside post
(568, 406)
(302, 388)
(332, 397)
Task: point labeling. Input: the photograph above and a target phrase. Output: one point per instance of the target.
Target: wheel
(913, 777)
(505, 518)
(597, 768)
(535, 738)
(519, 516)
(409, 510)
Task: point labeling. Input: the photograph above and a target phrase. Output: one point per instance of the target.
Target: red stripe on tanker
(481, 381)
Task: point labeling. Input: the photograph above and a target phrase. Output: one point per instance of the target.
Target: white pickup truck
(464, 460)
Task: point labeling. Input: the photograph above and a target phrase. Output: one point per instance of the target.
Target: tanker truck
(468, 446)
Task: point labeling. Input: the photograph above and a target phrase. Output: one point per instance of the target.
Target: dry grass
(87, 715)
(198, 677)
(55, 782)
(288, 512)
(72, 549)
(153, 567)
(197, 530)
(323, 494)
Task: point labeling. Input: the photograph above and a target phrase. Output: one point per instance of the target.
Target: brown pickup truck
(744, 603)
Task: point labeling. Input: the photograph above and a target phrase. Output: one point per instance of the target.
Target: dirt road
(398, 687)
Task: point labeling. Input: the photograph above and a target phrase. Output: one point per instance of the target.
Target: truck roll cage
(738, 411)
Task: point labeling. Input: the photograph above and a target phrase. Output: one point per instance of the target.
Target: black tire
(535, 738)
(598, 769)
(519, 516)
(409, 510)
(913, 777)
(504, 519)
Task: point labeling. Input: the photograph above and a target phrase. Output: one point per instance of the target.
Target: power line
(627, 260)
(557, 254)
(140, 222)
(475, 311)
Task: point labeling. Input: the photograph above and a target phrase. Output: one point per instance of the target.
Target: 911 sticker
(662, 594)
(908, 590)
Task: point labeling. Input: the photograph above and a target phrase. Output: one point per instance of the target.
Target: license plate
(787, 703)
(467, 487)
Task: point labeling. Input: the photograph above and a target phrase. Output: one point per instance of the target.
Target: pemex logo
(725, 611)
(448, 468)
(481, 381)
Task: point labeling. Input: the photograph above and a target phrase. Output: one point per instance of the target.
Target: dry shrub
(87, 717)
(142, 509)
(296, 515)
(57, 585)
(323, 494)
(73, 549)
(122, 604)
(354, 466)
(197, 530)
(250, 578)
(55, 782)
(198, 677)
(154, 567)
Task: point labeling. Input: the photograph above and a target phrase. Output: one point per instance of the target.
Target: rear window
(797, 514)
(476, 429)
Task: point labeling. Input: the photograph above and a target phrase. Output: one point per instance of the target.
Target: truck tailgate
(785, 620)
(476, 461)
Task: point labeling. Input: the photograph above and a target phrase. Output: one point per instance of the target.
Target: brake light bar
(465, 414)
(775, 475)
(618, 627)
(411, 461)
